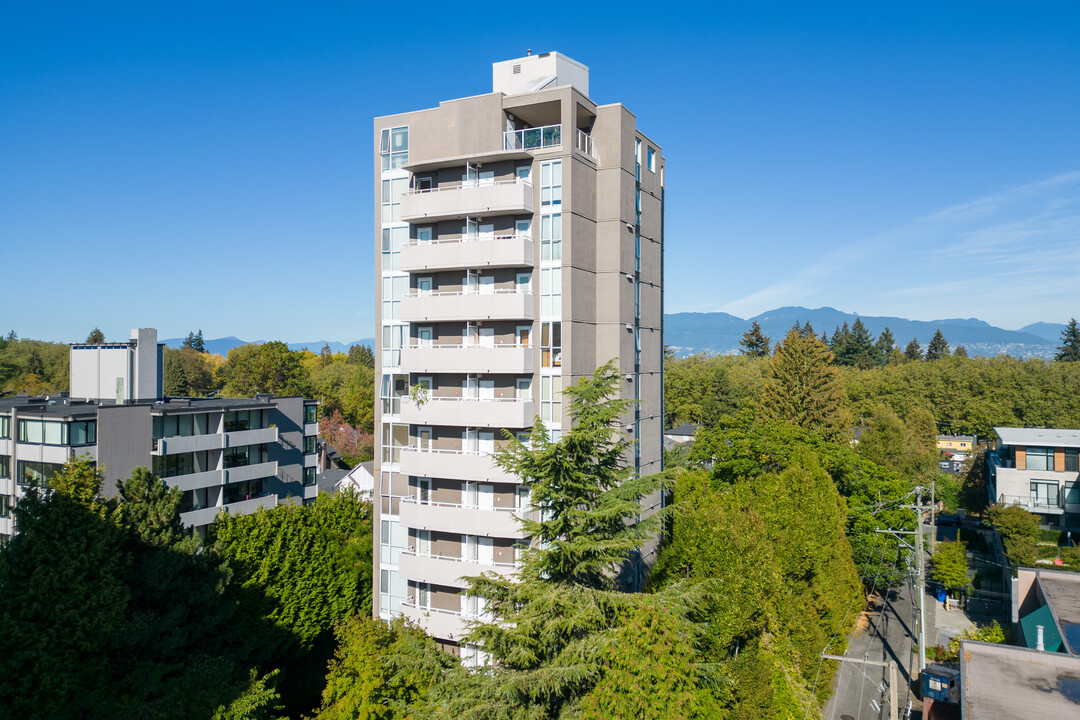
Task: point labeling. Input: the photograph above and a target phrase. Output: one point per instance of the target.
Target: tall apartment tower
(519, 245)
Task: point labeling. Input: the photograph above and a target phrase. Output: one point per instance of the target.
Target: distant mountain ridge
(222, 346)
(689, 333)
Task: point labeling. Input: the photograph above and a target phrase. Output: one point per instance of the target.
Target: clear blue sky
(207, 165)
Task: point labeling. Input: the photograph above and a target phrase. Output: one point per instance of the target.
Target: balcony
(251, 472)
(461, 519)
(472, 358)
(447, 571)
(205, 516)
(1042, 504)
(468, 412)
(194, 481)
(453, 464)
(445, 624)
(477, 251)
(238, 438)
(537, 138)
(449, 306)
(504, 197)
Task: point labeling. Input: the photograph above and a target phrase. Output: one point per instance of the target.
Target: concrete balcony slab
(441, 307)
(493, 198)
(481, 252)
(460, 520)
(467, 359)
(457, 412)
(453, 465)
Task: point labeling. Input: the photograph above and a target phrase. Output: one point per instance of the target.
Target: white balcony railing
(469, 251)
(456, 464)
(585, 143)
(467, 184)
(448, 570)
(475, 237)
(470, 412)
(537, 138)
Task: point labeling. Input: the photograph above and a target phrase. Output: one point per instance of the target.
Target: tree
(150, 510)
(951, 567)
(96, 337)
(755, 343)
(960, 351)
(913, 352)
(175, 382)
(267, 368)
(1018, 529)
(194, 341)
(362, 355)
(938, 347)
(856, 347)
(885, 346)
(35, 365)
(1069, 349)
(803, 388)
(326, 355)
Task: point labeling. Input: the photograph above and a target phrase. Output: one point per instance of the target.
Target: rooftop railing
(536, 138)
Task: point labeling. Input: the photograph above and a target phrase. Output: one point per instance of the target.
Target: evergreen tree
(755, 343)
(1069, 349)
(326, 355)
(854, 347)
(960, 351)
(804, 389)
(808, 331)
(175, 382)
(194, 341)
(839, 339)
(938, 347)
(913, 351)
(361, 355)
(884, 346)
(150, 510)
(34, 364)
(96, 337)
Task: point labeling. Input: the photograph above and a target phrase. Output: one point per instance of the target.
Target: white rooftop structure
(536, 72)
(1048, 437)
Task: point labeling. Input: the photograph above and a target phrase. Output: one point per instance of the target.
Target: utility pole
(921, 574)
(894, 711)
(933, 517)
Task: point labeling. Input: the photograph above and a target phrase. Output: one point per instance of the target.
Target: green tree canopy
(913, 352)
(755, 343)
(804, 389)
(194, 341)
(267, 368)
(950, 565)
(938, 347)
(1069, 349)
(96, 337)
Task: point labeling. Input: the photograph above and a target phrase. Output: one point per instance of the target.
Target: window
(1072, 492)
(311, 413)
(393, 289)
(5, 466)
(551, 237)
(551, 399)
(166, 466)
(5, 427)
(240, 491)
(42, 432)
(309, 444)
(244, 420)
(1072, 460)
(523, 173)
(551, 344)
(36, 473)
(167, 426)
(551, 183)
(5, 506)
(82, 433)
(424, 183)
(309, 476)
(394, 147)
(393, 239)
(1040, 458)
(551, 291)
(652, 160)
(392, 190)
(637, 159)
(244, 455)
(1044, 494)
(423, 235)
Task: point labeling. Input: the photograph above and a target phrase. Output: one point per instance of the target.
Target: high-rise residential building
(519, 246)
(235, 454)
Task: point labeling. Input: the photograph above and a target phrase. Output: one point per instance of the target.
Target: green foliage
(267, 368)
(150, 510)
(913, 352)
(308, 592)
(960, 351)
(100, 624)
(33, 366)
(1069, 349)
(381, 672)
(938, 347)
(908, 449)
(1019, 529)
(96, 337)
(194, 341)
(755, 343)
(950, 565)
(260, 701)
(855, 347)
(992, 633)
(189, 372)
(362, 355)
(175, 380)
(702, 388)
(79, 480)
(804, 389)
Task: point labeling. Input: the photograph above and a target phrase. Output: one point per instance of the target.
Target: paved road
(861, 691)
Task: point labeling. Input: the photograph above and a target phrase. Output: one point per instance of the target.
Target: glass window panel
(384, 140)
(400, 139)
(53, 433)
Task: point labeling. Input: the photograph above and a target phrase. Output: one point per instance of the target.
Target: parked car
(947, 521)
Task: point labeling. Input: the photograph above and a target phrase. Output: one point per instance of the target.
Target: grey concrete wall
(124, 441)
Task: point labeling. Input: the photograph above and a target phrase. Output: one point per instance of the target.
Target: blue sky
(207, 165)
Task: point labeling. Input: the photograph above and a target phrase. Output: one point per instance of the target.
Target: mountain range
(718, 332)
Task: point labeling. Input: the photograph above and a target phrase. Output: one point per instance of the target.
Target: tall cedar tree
(175, 380)
(1069, 349)
(96, 337)
(938, 347)
(194, 341)
(755, 343)
(804, 388)
(913, 351)
(552, 631)
(884, 346)
(960, 351)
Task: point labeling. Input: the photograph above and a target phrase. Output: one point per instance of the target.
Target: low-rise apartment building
(1037, 469)
(223, 453)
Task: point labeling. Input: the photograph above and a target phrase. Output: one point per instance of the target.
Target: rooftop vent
(517, 69)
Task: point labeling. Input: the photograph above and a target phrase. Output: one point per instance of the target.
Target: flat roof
(1048, 437)
(967, 438)
(78, 407)
(1002, 681)
(1062, 591)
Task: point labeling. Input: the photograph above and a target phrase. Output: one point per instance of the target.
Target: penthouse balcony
(457, 464)
(503, 197)
(470, 251)
(474, 305)
(467, 358)
(547, 137)
(448, 571)
(461, 519)
(470, 412)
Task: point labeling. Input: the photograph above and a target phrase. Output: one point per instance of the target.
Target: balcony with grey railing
(536, 138)
(1052, 504)
(469, 251)
(479, 304)
(437, 622)
(459, 357)
(457, 464)
(461, 518)
(470, 412)
(447, 570)
(477, 197)
(204, 516)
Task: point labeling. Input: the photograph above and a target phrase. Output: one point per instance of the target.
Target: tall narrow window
(551, 237)
(651, 155)
(551, 183)
(551, 291)
(394, 147)
(551, 344)
(637, 159)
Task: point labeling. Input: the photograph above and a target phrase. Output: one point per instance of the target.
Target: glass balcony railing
(536, 138)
